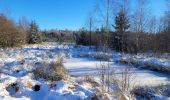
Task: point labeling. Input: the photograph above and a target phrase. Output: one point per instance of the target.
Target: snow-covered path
(83, 66)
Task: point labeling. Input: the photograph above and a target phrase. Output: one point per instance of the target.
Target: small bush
(46, 74)
(90, 80)
(150, 92)
(142, 92)
(51, 72)
(147, 65)
(102, 56)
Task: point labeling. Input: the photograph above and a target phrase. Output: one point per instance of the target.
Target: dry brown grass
(91, 81)
(29, 84)
(54, 71)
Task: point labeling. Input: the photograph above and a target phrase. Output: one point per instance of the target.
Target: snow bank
(153, 63)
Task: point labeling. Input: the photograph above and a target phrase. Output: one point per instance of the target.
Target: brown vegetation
(10, 34)
(51, 72)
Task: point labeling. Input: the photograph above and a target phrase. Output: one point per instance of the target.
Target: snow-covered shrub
(46, 74)
(91, 80)
(141, 93)
(157, 67)
(101, 56)
(150, 93)
(163, 90)
(129, 60)
(54, 71)
(154, 64)
(99, 96)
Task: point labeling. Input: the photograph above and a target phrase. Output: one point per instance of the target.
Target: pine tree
(121, 26)
(35, 36)
(121, 22)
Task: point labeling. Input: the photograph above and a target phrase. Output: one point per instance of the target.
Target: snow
(149, 59)
(17, 65)
(83, 66)
(159, 97)
(61, 91)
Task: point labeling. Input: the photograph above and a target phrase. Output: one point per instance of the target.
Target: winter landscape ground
(84, 49)
(83, 83)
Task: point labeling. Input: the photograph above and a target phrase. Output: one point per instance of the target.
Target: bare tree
(90, 23)
(152, 25)
(24, 25)
(139, 20)
(107, 15)
(166, 33)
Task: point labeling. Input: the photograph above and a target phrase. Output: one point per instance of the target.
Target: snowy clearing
(16, 66)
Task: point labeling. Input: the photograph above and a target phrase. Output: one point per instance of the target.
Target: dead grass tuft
(54, 71)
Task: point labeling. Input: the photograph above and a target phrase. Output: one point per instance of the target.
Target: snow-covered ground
(81, 66)
(150, 61)
(16, 65)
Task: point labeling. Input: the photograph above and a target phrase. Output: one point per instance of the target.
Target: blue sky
(60, 14)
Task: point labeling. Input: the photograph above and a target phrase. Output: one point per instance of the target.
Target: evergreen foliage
(35, 35)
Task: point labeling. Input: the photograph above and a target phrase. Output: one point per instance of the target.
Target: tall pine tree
(35, 36)
(121, 26)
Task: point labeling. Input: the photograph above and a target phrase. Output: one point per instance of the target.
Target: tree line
(14, 34)
(129, 32)
(116, 26)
